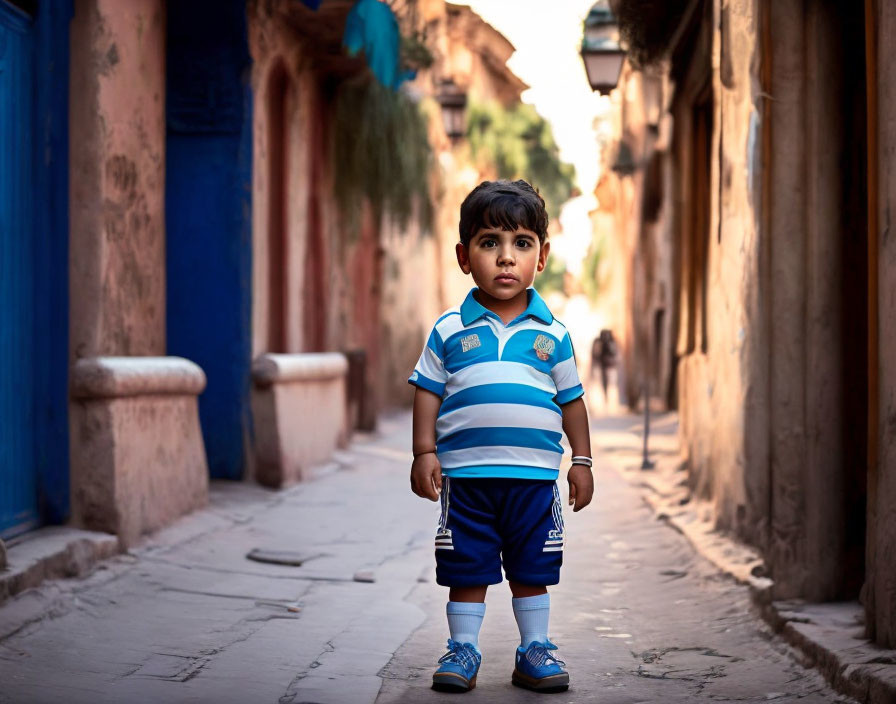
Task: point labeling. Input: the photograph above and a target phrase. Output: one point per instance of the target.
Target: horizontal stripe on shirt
(510, 471)
(508, 415)
(500, 454)
(500, 372)
(533, 438)
(499, 393)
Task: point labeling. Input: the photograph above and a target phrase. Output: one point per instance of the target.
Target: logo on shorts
(544, 347)
(470, 342)
(444, 541)
(556, 536)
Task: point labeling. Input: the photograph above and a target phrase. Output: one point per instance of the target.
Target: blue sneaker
(537, 669)
(458, 668)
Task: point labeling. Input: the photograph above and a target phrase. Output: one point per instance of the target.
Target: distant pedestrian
(605, 357)
(496, 388)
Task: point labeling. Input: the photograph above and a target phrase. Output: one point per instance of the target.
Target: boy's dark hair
(507, 205)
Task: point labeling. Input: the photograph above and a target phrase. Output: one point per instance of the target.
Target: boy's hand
(581, 486)
(426, 476)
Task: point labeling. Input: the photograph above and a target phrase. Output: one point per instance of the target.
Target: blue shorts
(489, 521)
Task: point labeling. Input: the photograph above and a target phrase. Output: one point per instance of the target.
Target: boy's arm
(426, 472)
(575, 425)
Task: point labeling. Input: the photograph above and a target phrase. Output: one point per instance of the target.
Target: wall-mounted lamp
(601, 53)
(453, 100)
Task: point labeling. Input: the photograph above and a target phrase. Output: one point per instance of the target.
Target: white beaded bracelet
(582, 459)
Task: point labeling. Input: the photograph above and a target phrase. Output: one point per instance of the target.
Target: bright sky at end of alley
(547, 37)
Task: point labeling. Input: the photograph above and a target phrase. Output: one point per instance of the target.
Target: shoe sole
(552, 683)
(449, 682)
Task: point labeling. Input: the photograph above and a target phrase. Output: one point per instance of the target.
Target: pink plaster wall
(117, 185)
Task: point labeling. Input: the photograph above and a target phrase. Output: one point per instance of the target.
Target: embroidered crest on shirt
(544, 347)
(470, 342)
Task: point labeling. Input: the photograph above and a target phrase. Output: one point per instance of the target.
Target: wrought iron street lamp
(453, 100)
(601, 52)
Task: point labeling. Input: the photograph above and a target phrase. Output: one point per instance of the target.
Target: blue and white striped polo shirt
(502, 387)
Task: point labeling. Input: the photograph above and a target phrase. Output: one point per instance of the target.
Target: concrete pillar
(787, 257)
(140, 461)
(290, 440)
(823, 475)
(880, 595)
(812, 480)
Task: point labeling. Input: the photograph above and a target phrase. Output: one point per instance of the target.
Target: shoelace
(459, 653)
(539, 654)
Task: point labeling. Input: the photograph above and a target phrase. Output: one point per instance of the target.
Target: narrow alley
(185, 617)
(232, 231)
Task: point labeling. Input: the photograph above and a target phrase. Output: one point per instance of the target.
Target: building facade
(778, 188)
(187, 293)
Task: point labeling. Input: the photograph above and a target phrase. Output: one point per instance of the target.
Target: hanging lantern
(601, 52)
(453, 100)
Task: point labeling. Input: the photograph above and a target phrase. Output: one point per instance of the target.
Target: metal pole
(646, 463)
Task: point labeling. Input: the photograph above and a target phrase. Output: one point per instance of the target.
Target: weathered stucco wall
(283, 112)
(764, 386)
(370, 287)
(137, 458)
(117, 138)
(732, 264)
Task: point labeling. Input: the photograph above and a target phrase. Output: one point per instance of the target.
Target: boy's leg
(532, 554)
(465, 610)
(467, 561)
(532, 610)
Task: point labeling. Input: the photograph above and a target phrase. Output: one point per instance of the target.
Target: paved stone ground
(187, 618)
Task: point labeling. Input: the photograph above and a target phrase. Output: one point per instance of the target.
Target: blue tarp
(371, 26)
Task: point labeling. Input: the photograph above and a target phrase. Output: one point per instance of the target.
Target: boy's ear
(543, 255)
(463, 257)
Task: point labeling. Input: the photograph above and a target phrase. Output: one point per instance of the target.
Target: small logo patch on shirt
(470, 342)
(544, 347)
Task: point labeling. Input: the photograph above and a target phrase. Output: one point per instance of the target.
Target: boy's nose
(505, 256)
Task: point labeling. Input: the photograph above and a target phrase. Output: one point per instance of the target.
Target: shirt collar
(471, 309)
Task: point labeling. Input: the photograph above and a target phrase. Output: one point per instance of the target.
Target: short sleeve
(429, 373)
(565, 374)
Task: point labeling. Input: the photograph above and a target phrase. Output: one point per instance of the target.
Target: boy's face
(503, 263)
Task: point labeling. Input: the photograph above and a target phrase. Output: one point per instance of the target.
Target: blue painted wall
(18, 480)
(33, 266)
(51, 236)
(208, 215)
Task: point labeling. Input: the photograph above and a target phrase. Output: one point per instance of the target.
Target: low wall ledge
(110, 377)
(269, 369)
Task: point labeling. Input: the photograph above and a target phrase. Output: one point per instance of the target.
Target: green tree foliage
(520, 143)
(593, 271)
(552, 278)
(381, 153)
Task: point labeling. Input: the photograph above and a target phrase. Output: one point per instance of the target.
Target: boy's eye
(523, 244)
(488, 243)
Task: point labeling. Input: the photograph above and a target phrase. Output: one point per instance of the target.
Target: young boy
(496, 388)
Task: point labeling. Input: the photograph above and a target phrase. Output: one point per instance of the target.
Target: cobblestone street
(639, 617)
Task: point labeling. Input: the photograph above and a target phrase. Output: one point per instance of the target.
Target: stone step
(51, 553)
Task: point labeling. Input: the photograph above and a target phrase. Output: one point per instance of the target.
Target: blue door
(34, 464)
(18, 476)
(208, 176)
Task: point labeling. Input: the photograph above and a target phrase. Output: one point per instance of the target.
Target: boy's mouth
(506, 278)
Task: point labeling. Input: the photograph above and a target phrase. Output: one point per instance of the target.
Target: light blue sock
(464, 620)
(532, 614)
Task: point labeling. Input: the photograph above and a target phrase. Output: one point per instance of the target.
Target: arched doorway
(280, 100)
